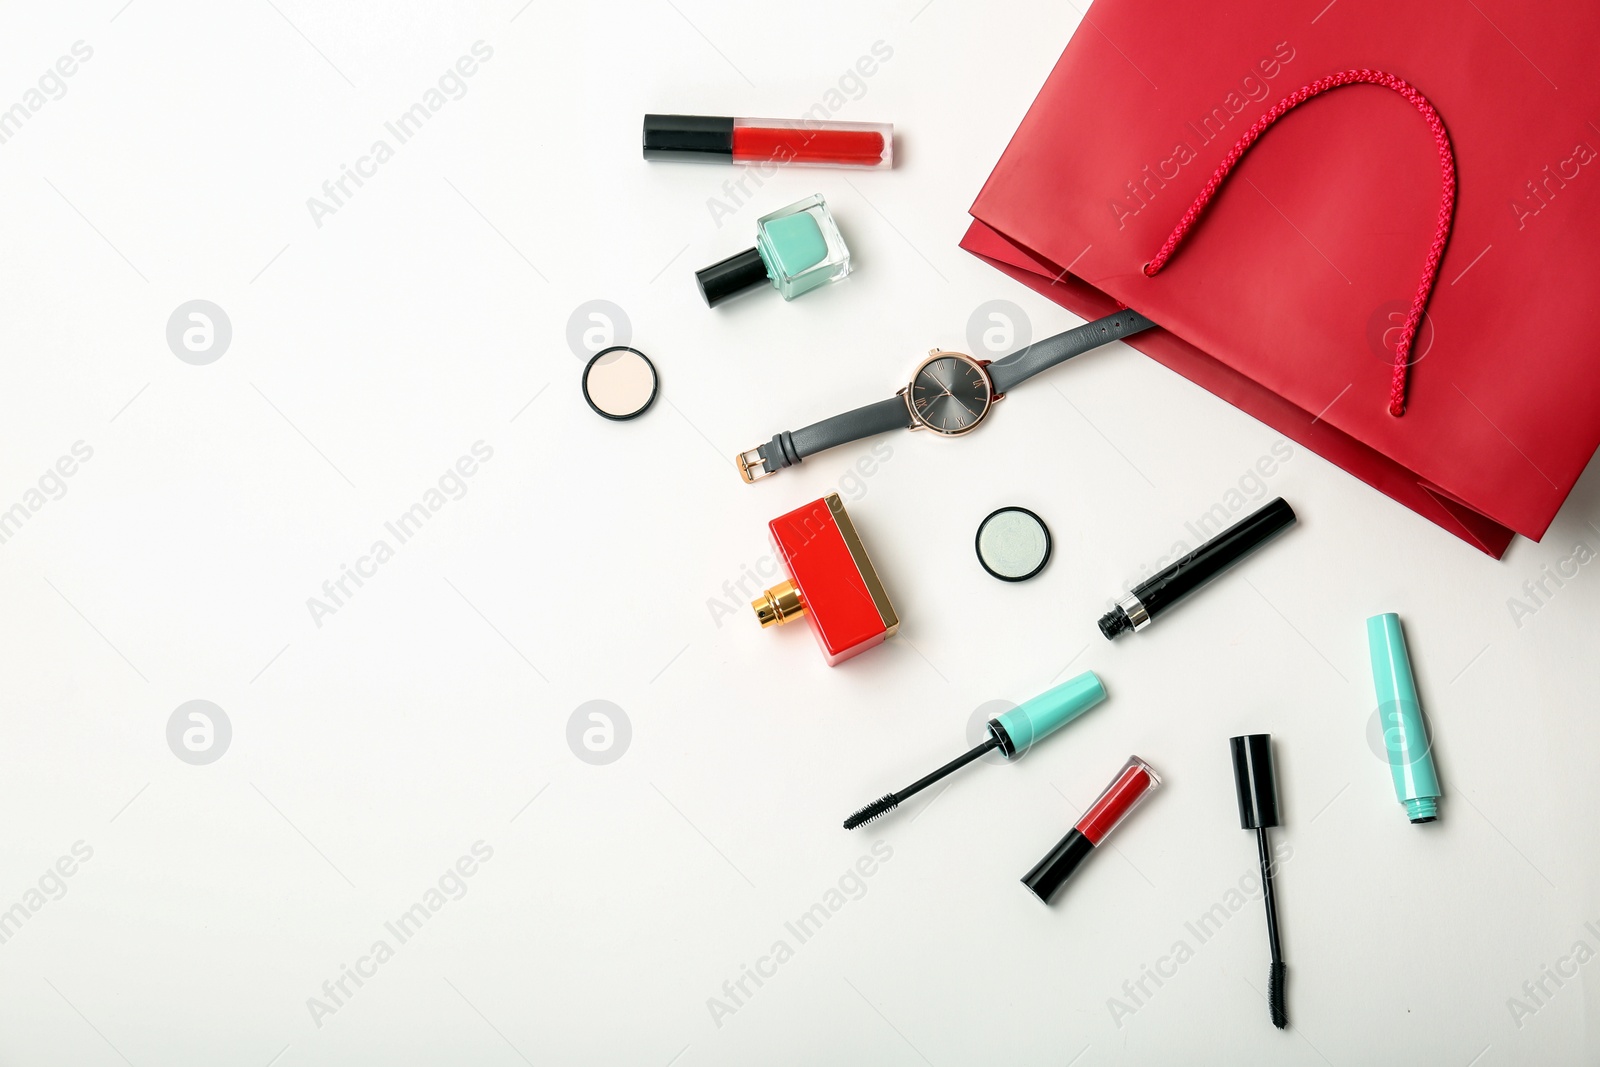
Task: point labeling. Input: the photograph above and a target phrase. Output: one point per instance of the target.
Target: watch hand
(928, 404)
(964, 406)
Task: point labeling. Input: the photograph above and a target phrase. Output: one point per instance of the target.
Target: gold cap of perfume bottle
(779, 605)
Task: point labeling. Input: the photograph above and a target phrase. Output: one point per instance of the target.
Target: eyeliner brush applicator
(1255, 780)
(1013, 733)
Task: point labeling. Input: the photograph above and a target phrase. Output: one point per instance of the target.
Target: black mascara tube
(1152, 597)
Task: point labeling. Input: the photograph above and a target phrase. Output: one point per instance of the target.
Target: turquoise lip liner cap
(1405, 735)
(1034, 720)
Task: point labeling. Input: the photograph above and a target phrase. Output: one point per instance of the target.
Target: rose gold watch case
(980, 365)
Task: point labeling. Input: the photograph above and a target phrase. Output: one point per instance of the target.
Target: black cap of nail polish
(728, 278)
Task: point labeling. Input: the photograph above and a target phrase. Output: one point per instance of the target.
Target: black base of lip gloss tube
(1052, 872)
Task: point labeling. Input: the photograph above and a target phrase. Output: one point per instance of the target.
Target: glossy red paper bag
(1286, 297)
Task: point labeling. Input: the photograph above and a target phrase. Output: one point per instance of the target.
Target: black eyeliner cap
(691, 138)
(1255, 780)
(732, 276)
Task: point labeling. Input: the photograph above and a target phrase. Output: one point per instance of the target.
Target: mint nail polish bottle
(797, 249)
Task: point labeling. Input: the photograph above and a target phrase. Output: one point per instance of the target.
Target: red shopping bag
(1288, 294)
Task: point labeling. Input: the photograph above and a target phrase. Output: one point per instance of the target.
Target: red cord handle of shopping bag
(1447, 205)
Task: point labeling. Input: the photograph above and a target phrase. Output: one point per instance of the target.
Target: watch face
(950, 393)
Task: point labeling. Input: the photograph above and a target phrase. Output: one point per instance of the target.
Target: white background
(586, 560)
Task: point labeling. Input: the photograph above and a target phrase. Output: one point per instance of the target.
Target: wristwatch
(950, 393)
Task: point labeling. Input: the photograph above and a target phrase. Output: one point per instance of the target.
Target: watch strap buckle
(752, 466)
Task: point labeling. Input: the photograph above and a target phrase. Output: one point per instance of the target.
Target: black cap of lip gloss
(691, 138)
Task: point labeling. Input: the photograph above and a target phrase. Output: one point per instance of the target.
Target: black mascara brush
(887, 803)
(1013, 733)
(1255, 780)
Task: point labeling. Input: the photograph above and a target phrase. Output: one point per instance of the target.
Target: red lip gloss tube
(777, 142)
(1131, 785)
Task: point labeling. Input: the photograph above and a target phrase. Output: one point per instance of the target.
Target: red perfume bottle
(831, 582)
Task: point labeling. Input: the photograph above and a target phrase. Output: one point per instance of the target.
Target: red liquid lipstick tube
(831, 582)
(1131, 785)
(779, 142)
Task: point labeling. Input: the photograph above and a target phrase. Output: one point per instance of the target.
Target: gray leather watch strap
(786, 449)
(1020, 366)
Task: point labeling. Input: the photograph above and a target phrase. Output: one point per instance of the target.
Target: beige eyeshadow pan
(620, 383)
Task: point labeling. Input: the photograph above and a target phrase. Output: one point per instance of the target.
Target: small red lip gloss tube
(831, 582)
(1131, 785)
(782, 142)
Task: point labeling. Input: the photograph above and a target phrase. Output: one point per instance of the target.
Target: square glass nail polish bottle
(798, 248)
